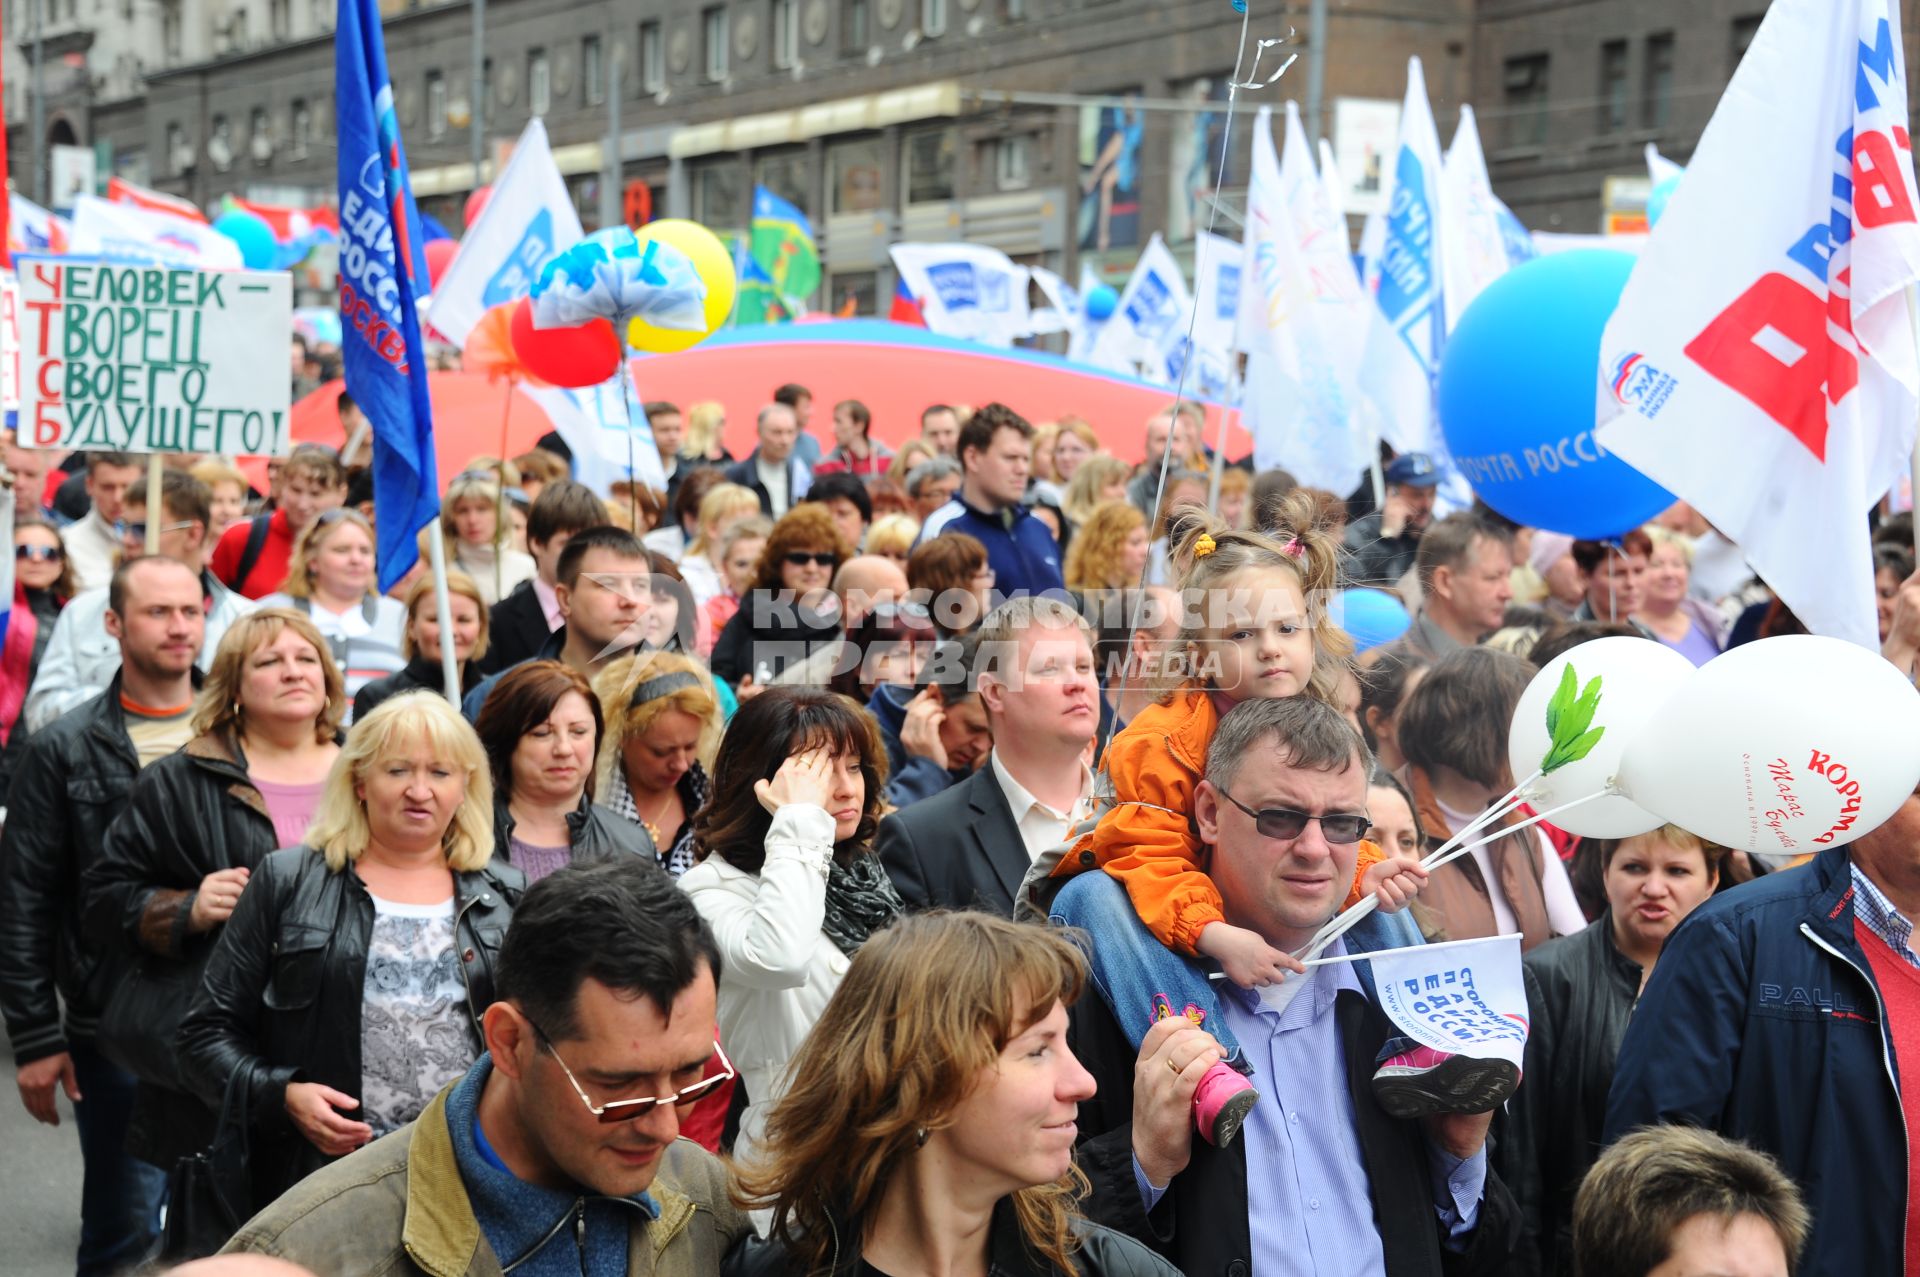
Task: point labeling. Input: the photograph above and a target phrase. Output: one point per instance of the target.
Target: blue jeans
(1142, 980)
(119, 1194)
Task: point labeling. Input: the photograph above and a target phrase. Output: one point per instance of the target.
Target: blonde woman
(928, 1121)
(479, 541)
(724, 506)
(349, 981)
(1101, 478)
(331, 581)
(1109, 552)
(891, 536)
(706, 426)
(229, 489)
(663, 724)
(421, 642)
(1075, 442)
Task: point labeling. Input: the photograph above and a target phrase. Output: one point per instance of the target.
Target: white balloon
(1784, 746)
(1637, 676)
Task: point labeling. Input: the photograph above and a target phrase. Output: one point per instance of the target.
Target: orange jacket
(1147, 839)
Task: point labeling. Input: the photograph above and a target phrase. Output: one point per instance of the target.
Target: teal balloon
(259, 250)
(1657, 202)
(1101, 301)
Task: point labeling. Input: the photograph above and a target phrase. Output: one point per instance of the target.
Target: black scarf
(861, 899)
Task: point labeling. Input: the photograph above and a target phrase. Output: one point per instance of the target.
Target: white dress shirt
(1041, 826)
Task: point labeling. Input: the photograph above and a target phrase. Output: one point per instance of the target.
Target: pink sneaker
(1421, 1081)
(1222, 1102)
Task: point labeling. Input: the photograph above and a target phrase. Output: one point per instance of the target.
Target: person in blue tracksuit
(995, 450)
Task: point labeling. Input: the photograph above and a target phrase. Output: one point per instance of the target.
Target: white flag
(1062, 310)
(1086, 329)
(1761, 363)
(1484, 239)
(1659, 167)
(129, 233)
(1294, 403)
(1327, 252)
(1465, 997)
(1216, 292)
(966, 290)
(1144, 337)
(1330, 181)
(529, 219)
(1407, 330)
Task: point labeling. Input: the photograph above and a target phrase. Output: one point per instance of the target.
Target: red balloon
(439, 256)
(582, 356)
(476, 204)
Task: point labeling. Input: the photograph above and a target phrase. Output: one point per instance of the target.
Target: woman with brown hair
(787, 877)
(541, 729)
(949, 576)
(930, 1120)
(176, 863)
(789, 611)
(663, 722)
(1109, 552)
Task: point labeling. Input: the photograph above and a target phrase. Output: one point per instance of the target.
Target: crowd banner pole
(1379, 480)
(156, 508)
(1913, 462)
(443, 608)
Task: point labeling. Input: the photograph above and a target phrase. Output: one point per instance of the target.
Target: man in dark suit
(969, 847)
(520, 624)
(1324, 1179)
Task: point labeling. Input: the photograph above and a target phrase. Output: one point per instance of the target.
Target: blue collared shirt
(1309, 1202)
(1871, 907)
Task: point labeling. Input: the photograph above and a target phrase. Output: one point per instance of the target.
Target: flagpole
(1913, 461)
(443, 608)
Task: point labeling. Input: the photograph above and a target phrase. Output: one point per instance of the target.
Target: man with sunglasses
(1325, 1180)
(558, 1152)
(81, 657)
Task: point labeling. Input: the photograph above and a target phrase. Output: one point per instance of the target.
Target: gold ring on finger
(1173, 1066)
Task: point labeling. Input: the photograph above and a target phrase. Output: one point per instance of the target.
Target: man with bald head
(862, 585)
(775, 471)
(72, 780)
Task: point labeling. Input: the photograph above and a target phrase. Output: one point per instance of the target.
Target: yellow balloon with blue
(611, 275)
(711, 261)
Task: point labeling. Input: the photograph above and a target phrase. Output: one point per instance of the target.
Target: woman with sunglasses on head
(790, 610)
(331, 580)
(347, 986)
(787, 877)
(929, 1123)
(42, 584)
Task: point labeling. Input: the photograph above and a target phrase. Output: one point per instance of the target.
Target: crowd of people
(711, 931)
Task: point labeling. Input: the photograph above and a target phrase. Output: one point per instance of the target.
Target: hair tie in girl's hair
(1204, 546)
(1293, 549)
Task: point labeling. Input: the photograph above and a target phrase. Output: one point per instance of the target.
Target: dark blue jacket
(1762, 1021)
(910, 777)
(1020, 549)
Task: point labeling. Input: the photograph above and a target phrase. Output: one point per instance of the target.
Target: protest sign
(1465, 997)
(9, 342)
(144, 359)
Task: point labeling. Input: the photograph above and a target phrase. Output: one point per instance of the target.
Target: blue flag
(381, 261)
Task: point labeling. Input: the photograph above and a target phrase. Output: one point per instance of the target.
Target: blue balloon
(1101, 301)
(1372, 617)
(1657, 201)
(1517, 398)
(259, 250)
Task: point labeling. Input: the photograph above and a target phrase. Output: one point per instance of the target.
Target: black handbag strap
(256, 543)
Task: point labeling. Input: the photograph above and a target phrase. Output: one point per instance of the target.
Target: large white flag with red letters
(1761, 365)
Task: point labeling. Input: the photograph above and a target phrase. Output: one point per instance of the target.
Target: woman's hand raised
(804, 778)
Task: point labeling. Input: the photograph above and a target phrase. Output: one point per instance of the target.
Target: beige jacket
(398, 1206)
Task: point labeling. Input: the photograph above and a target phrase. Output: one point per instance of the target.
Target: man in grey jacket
(81, 658)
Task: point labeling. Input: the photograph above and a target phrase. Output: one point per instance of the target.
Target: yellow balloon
(714, 265)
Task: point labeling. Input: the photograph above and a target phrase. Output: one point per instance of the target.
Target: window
(719, 197)
(1524, 92)
(1613, 86)
(1013, 10)
(178, 157)
(436, 104)
(785, 174)
(853, 176)
(1743, 33)
(929, 176)
(302, 139)
(1010, 160)
(786, 34)
(259, 135)
(593, 71)
(1658, 108)
(933, 17)
(539, 83)
(855, 291)
(653, 58)
(280, 17)
(170, 30)
(713, 26)
(856, 29)
(220, 143)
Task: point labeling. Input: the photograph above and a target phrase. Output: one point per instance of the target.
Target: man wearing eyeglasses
(558, 1152)
(1324, 1180)
(81, 657)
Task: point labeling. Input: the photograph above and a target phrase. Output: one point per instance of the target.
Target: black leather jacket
(71, 782)
(1101, 1253)
(1580, 993)
(190, 814)
(593, 832)
(283, 992)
